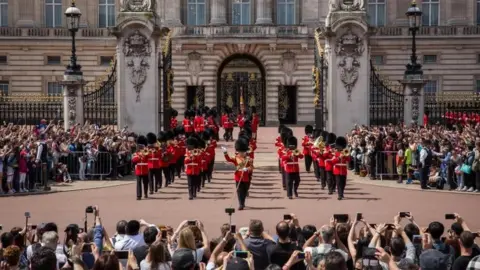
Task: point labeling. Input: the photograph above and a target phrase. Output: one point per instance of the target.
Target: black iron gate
(386, 105)
(100, 103)
(242, 85)
(167, 81)
(195, 96)
(287, 104)
(320, 82)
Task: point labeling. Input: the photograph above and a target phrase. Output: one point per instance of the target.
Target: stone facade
(449, 52)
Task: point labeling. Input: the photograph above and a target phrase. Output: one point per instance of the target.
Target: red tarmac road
(267, 202)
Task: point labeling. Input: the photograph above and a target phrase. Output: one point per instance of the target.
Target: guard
(153, 160)
(328, 155)
(292, 170)
(192, 168)
(140, 160)
(307, 144)
(340, 161)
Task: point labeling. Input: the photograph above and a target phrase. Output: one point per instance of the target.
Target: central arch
(242, 75)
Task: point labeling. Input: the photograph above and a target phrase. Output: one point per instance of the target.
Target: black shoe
(139, 198)
(290, 197)
(296, 194)
(426, 188)
(190, 198)
(323, 188)
(203, 186)
(145, 197)
(340, 198)
(151, 192)
(241, 208)
(330, 193)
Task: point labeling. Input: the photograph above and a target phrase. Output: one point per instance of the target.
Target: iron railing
(30, 109)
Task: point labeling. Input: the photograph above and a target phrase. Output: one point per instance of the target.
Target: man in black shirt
(467, 252)
(280, 253)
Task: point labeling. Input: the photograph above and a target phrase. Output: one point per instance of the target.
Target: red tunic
(173, 122)
(211, 149)
(278, 142)
(187, 125)
(165, 155)
(241, 120)
(255, 123)
(340, 164)
(140, 160)
(192, 164)
(327, 157)
(172, 150)
(153, 157)
(290, 162)
(306, 143)
(199, 124)
(239, 162)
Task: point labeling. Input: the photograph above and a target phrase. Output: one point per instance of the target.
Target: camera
(359, 216)
(233, 228)
(287, 217)
(121, 254)
(27, 214)
(164, 234)
(192, 223)
(229, 210)
(404, 214)
(301, 256)
(341, 218)
(449, 216)
(89, 210)
(1, 227)
(240, 254)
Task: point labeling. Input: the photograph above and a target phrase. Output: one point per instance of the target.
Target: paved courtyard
(377, 201)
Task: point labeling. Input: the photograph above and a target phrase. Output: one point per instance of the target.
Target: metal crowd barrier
(81, 165)
(386, 165)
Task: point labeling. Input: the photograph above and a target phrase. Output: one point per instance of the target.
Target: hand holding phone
(121, 254)
(287, 217)
(233, 228)
(301, 256)
(240, 254)
(192, 223)
(341, 218)
(359, 216)
(417, 239)
(449, 216)
(404, 214)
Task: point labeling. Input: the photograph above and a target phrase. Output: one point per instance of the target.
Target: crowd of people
(344, 243)
(32, 155)
(442, 157)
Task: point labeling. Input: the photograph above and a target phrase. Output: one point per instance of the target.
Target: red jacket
(290, 162)
(199, 124)
(211, 149)
(340, 163)
(181, 147)
(139, 159)
(172, 150)
(306, 143)
(327, 157)
(226, 123)
(173, 122)
(278, 142)
(255, 122)
(206, 158)
(192, 164)
(239, 162)
(212, 124)
(153, 157)
(166, 155)
(187, 125)
(241, 120)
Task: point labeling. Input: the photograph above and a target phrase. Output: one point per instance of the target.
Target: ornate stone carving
(349, 47)
(72, 108)
(210, 47)
(137, 5)
(346, 5)
(137, 48)
(288, 62)
(273, 47)
(194, 63)
(415, 104)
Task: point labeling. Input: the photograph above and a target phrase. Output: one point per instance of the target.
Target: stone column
(72, 100)
(173, 13)
(264, 12)
(414, 101)
(217, 9)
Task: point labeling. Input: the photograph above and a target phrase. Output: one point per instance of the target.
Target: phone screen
(417, 239)
(233, 228)
(301, 255)
(287, 217)
(121, 255)
(359, 216)
(164, 234)
(342, 218)
(241, 254)
(404, 214)
(449, 216)
(192, 223)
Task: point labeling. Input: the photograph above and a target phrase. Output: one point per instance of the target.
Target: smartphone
(192, 223)
(121, 254)
(1, 227)
(164, 234)
(240, 254)
(287, 217)
(233, 228)
(369, 252)
(229, 210)
(341, 218)
(404, 214)
(89, 210)
(475, 234)
(417, 239)
(27, 214)
(449, 216)
(301, 256)
(359, 216)
(372, 225)
(390, 226)
(32, 227)
(87, 248)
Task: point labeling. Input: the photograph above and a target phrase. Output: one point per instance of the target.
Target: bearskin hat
(331, 137)
(178, 130)
(286, 133)
(341, 143)
(292, 141)
(317, 133)
(205, 135)
(174, 113)
(324, 135)
(151, 138)
(253, 109)
(241, 145)
(192, 142)
(210, 132)
(186, 114)
(141, 140)
(191, 113)
(162, 136)
(282, 126)
(247, 123)
(196, 136)
(227, 110)
(169, 135)
(308, 129)
(201, 144)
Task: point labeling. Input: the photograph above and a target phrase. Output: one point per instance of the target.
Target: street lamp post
(73, 15)
(414, 15)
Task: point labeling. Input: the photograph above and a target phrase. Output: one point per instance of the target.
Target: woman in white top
(186, 239)
(156, 259)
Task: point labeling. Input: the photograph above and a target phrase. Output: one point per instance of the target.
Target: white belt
(141, 164)
(154, 159)
(343, 165)
(190, 164)
(187, 126)
(292, 163)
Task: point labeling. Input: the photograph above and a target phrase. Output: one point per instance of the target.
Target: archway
(242, 76)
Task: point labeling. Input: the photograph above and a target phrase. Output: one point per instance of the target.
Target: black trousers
(424, 172)
(308, 162)
(203, 179)
(323, 176)
(210, 170)
(228, 135)
(155, 179)
(293, 181)
(330, 181)
(142, 182)
(316, 171)
(284, 180)
(166, 173)
(341, 181)
(477, 180)
(192, 188)
(279, 166)
(242, 189)
(171, 170)
(179, 166)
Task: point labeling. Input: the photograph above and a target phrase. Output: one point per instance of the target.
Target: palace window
(431, 87)
(429, 59)
(54, 60)
(241, 12)
(478, 11)
(431, 12)
(286, 12)
(106, 60)
(378, 59)
(4, 88)
(106, 13)
(477, 86)
(376, 12)
(196, 12)
(54, 88)
(3, 13)
(53, 13)
(3, 60)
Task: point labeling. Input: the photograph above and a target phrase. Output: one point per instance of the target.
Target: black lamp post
(73, 15)
(414, 15)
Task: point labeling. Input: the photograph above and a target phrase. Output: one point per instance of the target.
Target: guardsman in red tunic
(243, 165)
(286, 133)
(307, 144)
(255, 122)
(192, 166)
(340, 161)
(165, 155)
(278, 145)
(211, 144)
(227, 123)
(181, 149)
(327, 157)
(154, 170)
(140, 160)
(241, 120)
(321, 157)
(173, 119)
(199, 122)
(187, 123)
(292, 169)
(425, 119)
(172, 149)
(204, 158)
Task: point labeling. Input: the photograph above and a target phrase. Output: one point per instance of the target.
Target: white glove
(224, 149)
(245, 169)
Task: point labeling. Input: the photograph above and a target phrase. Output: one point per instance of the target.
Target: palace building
(260, 51)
